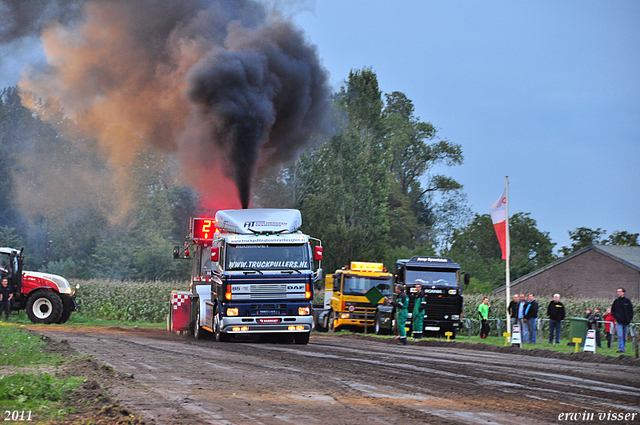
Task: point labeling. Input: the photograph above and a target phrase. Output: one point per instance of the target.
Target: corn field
(149, 301)
(125, 300)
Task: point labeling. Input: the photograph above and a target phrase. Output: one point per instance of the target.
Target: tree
(583, 237)
(623, 238)
(347, 185)
(476, 248)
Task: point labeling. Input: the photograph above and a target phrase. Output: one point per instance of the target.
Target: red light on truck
(227, 294)
(307, 292)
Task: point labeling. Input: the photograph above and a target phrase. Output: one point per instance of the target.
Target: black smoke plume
(228, 85)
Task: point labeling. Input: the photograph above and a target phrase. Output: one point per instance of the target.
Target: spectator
(609, 323)
(531, 316)
(521, 321)
(597, 316)
(622, 311)
(483, 312)
(589, 316)
(556, 313)
(5, 298)
(512, 310)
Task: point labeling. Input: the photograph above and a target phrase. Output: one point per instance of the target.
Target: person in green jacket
(417, 323)
(483, 312)
(402, 313)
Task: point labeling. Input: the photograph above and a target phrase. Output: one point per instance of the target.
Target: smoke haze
(225, 84)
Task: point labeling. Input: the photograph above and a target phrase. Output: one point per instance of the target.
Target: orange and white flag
(499, 218)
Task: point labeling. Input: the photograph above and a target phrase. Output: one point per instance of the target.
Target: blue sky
(545, 92)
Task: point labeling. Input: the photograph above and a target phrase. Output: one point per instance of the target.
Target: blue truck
(253, 273)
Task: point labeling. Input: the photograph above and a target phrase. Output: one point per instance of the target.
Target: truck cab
(441, 282)
(346, 305)
(253, 273)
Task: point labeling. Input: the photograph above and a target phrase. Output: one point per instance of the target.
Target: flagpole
(508, 246)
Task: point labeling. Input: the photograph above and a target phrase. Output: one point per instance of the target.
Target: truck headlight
(232, 311)
(452, 291)
(304, 311)
(455, 317)
(344, 316)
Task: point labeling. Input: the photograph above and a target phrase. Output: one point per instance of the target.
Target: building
(593, 272)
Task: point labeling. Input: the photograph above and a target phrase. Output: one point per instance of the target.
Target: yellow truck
(345, 304)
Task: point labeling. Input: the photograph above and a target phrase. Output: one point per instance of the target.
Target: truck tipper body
(47, 298)
(345, 304)
(441, 282)
(253, 273)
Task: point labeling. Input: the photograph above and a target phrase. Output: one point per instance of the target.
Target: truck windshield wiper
(246, 271)
(293, 270)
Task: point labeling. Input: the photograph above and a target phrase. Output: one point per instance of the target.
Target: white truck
(253, 273)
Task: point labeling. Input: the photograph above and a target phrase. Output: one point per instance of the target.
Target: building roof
(627, 255)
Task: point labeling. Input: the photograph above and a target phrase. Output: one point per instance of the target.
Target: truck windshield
(267, 257)
(358, 285)
(428, 277)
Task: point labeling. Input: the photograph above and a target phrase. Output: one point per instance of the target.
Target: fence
(542, 326)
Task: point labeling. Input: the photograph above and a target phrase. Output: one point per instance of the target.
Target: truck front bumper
(266, 324)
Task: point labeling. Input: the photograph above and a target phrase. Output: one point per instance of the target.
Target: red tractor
(47, 298)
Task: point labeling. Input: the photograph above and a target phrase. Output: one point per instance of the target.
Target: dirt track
(345, 380)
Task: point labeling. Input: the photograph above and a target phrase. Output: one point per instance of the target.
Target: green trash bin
(577, 329)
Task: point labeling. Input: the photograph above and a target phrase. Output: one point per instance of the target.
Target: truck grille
(262, 292)
(437, 308)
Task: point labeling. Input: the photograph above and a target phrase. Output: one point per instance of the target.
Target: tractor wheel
(66, 314)
(44, 307)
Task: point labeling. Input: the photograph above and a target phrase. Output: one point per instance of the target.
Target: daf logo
(295, 287)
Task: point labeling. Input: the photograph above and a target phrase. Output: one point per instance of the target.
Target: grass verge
(26, 391)
(78, 319)
(563, 347)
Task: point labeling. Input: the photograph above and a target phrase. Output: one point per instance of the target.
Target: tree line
(368, 190)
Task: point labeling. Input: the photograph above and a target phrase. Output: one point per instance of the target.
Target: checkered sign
(178, 299)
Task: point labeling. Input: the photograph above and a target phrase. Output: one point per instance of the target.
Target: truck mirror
(215, 254)
(318, 275)
(176, 252)
(466, 279)
(317, 253)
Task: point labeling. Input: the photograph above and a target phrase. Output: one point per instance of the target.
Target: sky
(546, 92)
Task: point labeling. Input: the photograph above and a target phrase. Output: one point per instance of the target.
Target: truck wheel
(220, 336)
(332, 320)
(301, 338)
(379, 329)
(44, 307)
(198, 331)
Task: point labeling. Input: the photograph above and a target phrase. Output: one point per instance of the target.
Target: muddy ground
(155, 377)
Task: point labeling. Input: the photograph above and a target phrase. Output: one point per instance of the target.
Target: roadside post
(448, 335)
(576, 342)
(506, 336)
(374, 296)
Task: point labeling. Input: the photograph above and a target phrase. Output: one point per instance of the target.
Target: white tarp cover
(259, 220)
